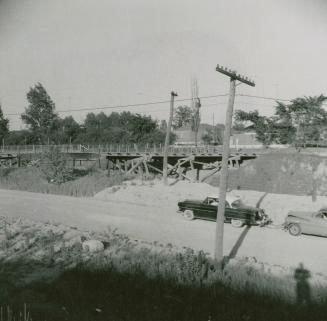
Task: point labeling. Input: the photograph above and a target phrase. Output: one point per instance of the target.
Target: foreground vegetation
(84, 182)
(131, 280)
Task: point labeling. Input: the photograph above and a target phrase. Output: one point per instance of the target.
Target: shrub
(54, 166)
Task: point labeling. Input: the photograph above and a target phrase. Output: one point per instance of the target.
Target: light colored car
(314, 223)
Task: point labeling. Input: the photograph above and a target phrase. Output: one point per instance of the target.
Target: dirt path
(164, 225)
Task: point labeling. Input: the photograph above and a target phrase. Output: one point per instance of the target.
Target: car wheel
(237, 223)
(188, 215)
(295, 229)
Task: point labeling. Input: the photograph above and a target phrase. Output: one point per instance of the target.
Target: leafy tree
(68, 130)
(183, 116)
(20, 137)
(295, 123)
(163, 125)
(212, 135)
(120, 128)
(264, 126)
(305, 115)
(207, 138)
(54, 166)
(40, 115)
(4, 125)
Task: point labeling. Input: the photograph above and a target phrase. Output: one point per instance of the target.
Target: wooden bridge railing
(112, 148)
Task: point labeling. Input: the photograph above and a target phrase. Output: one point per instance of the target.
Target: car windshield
(238, 204)
(211, 201)
(214, 201)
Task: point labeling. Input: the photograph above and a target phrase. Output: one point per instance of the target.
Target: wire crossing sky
(114, 53)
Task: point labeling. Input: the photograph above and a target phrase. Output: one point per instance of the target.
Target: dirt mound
(153, 193)
(282, 173)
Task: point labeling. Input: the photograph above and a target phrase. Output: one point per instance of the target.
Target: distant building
(249, 140)
(185, 135)
(244, 140)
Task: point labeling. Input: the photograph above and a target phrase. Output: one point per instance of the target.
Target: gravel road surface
(163, 224)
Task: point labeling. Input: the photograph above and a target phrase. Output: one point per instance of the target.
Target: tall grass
(156, 287)
(137, 281)
(87, 182)
(7, 314)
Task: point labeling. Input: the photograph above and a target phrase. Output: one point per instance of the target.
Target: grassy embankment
(85, 182)
(131, 281)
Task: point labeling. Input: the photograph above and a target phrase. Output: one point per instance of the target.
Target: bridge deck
(120, 149)
(206, 158)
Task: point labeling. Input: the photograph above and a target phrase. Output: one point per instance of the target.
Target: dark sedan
(236, 213)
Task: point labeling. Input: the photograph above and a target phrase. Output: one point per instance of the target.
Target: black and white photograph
(163, 160)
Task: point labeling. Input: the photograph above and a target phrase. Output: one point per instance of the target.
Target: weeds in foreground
(130, 283)
(86, 182)
(132, 280)
(105, 293)
(7, 314)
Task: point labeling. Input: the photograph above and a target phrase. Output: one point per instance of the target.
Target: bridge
(104, 149)
(135, 159)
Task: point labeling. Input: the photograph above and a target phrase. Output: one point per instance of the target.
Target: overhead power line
(160, 102)
(263, 97)
(126, 106)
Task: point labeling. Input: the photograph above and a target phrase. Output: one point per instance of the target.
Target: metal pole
(165, 158)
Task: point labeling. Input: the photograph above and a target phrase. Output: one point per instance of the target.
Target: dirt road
(164, 225)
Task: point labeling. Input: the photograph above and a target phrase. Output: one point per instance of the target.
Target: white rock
(233, 262)
(71, 242)
(93, 246)
(3, 238)
(20, 245)
(71, 234)
(251, 259)
(40, 254)
(32, 241)
(275, 270)
(57, 248)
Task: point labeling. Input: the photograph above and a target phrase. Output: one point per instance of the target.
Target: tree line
(301, 122)
(44, 126)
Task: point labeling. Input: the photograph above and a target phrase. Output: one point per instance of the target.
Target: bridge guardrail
(112, 148)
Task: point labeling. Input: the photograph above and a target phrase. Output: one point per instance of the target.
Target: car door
(319, 224)
(212, 211)
(209, 211)
(200, 209)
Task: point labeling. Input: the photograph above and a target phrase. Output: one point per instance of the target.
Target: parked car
(314, 223)
(236, 212)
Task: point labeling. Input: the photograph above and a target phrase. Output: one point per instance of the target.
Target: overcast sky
(118, 52)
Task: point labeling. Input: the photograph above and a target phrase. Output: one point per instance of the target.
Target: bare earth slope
(159, 222)
(281, 172)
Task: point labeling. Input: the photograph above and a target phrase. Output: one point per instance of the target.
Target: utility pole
(213, 128)
(195, 106)
(219, 255)
(165, 158)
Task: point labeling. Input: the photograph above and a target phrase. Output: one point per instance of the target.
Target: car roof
(229, 198)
